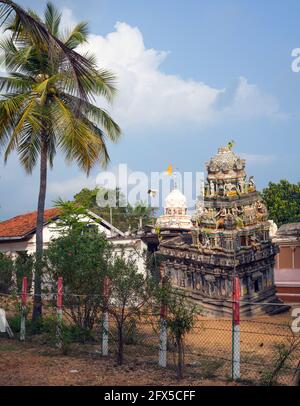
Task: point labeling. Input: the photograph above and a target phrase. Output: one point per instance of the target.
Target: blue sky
(193, 75)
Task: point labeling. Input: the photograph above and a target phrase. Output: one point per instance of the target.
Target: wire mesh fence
(269, 347)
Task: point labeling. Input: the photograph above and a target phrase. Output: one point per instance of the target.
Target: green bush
(79, 334)
(15, 324)
(81, 258)
(6, 273)
(23, 267)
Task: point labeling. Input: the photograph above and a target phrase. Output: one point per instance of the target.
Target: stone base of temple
(265, 303)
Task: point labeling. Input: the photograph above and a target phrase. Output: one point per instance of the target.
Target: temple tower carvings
(230, 234)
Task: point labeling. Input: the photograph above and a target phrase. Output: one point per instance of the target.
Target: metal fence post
(59, 312)
(105, 318)
(23, 309)
(236, 373)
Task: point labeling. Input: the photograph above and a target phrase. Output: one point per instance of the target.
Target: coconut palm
(47, 106)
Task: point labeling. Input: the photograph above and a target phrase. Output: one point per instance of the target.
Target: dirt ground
(28, 364)
(208, 355)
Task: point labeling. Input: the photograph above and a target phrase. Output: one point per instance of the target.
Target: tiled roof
(24, 224)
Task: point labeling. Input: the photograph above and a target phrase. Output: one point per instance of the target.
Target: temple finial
(231, 144)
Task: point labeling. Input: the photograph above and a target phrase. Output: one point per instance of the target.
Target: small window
(256, 286)
(243, 241)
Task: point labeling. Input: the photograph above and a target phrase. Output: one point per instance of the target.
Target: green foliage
(181, 313)
(41, 97)
(283, 201)
(130, 332)
(129, 288)
(28, 24)
(123, 216)
(130, 292)
(61, 339)
(81, 257)
(284, 352)
(180, 318)
(73, 216)
(15, 324)
(231, 144)
(46, 103)
(270, 375)
(153, 261)
(24, 265)
(6, 273)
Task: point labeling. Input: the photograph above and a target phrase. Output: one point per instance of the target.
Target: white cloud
(66, 189)
(149, 97)
(68, 20)
(250, 101)
(258, 159)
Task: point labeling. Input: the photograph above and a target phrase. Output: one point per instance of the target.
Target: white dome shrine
(175, 200)
(175, 212)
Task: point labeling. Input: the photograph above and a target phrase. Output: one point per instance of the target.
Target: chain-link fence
(268, 346)
(269, 349)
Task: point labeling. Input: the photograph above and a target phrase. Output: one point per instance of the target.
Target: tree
(124, 216)
(81, 256)
(23, 266)
(130, 291)
(48, 103)
(283, 201)
(180, 318)
(6, 273)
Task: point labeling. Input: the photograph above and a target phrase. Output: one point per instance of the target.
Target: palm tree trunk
(37, 303)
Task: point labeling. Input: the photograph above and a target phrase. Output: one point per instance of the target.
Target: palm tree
(48, 106)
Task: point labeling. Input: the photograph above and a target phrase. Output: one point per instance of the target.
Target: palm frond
(78, 140)
(52, 19)
(26, 118)
(96, 115)
(16, 83)
(79, 66)
(50, 92)
(77, 36)
(29, 147)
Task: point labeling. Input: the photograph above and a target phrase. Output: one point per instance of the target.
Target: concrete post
(105, 317)
(236, 374)
(105, 330)
(163, 334)
(23, 309)
(59, 313)
(163, 341)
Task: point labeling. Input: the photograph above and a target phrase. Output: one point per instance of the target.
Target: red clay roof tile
(24, 224)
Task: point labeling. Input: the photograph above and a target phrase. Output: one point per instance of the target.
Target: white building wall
(132, 247)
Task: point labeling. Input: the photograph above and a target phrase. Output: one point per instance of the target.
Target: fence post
(163, 336)
(236, 294)
(59, 312)
(23, 309)
(105, 319)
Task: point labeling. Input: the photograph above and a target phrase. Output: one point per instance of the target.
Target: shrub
(81, 258)
(6, 273)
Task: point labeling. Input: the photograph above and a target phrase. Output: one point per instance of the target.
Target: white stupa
(175, 212)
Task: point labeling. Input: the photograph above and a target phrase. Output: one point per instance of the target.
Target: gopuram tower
(230, 236)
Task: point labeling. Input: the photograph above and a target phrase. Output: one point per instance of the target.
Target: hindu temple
(227, 236)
